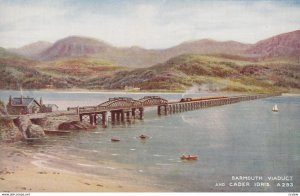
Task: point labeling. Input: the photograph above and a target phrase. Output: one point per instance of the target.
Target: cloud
(156, 24)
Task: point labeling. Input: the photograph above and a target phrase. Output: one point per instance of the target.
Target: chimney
(41, 101)
(9, 100)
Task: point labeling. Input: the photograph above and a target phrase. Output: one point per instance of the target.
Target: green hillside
(212, 72)
(209, 72)
(79, 68)
(17, 71)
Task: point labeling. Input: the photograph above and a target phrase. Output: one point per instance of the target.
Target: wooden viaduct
(122, 109)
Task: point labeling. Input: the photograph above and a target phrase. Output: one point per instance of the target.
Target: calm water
(243, 139)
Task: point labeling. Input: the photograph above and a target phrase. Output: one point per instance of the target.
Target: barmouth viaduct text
(259, 181)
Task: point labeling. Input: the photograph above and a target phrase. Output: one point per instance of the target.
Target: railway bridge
(121, 109)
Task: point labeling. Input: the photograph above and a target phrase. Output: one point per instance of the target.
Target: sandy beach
(18, 174)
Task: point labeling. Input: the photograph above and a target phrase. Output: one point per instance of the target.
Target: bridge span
(123, 109)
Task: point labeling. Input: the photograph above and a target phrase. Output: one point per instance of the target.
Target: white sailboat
(275, 108)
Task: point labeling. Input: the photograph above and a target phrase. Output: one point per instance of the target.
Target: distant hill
(17, 70)
(283, 45)
(6, 54)
(32, 50)
(207, 46)
(74, 46)
(10, 58)
(208, 73)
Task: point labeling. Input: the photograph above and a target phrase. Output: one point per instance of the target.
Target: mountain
(74, 46)
(270, 65)
(283, 45)
(32, 50)
(207, 72)
(207, 46)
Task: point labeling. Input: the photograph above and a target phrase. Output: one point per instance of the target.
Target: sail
(275, 108)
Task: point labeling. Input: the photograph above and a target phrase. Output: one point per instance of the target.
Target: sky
(150, 24)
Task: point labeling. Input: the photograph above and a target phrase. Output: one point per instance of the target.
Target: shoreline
(119, 91)
(96, 91)
(19, 173)
(290, 94)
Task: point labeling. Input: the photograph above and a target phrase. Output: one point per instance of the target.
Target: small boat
(275, 108)
(143, 136)
(115, 140)
(188, 157)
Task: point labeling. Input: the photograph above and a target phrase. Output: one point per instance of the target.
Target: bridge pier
(141, 113)
(170, 109)
(122, 115)
(133, 112)
(166, 110)
(113, 116)
(92, 119)
(104, 119)
(118, 116)
(158, 110)
(128, 115)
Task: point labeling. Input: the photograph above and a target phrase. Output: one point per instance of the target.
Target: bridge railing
(86, 109)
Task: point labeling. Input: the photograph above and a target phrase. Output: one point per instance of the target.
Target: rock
(28, 129)
(35, 131)
(8, 131)
(40, 121)
(52, 123)
(75, 125)
(23, 122)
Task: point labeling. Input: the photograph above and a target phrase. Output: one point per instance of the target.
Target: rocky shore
(24, 128)
(24, 169)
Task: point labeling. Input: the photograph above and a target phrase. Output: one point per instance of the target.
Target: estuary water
(243, 139)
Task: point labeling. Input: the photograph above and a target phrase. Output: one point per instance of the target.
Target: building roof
(26, 101)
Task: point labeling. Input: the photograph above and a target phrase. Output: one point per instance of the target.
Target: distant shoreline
(94, 91)
(118, 91)
(291, 94)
